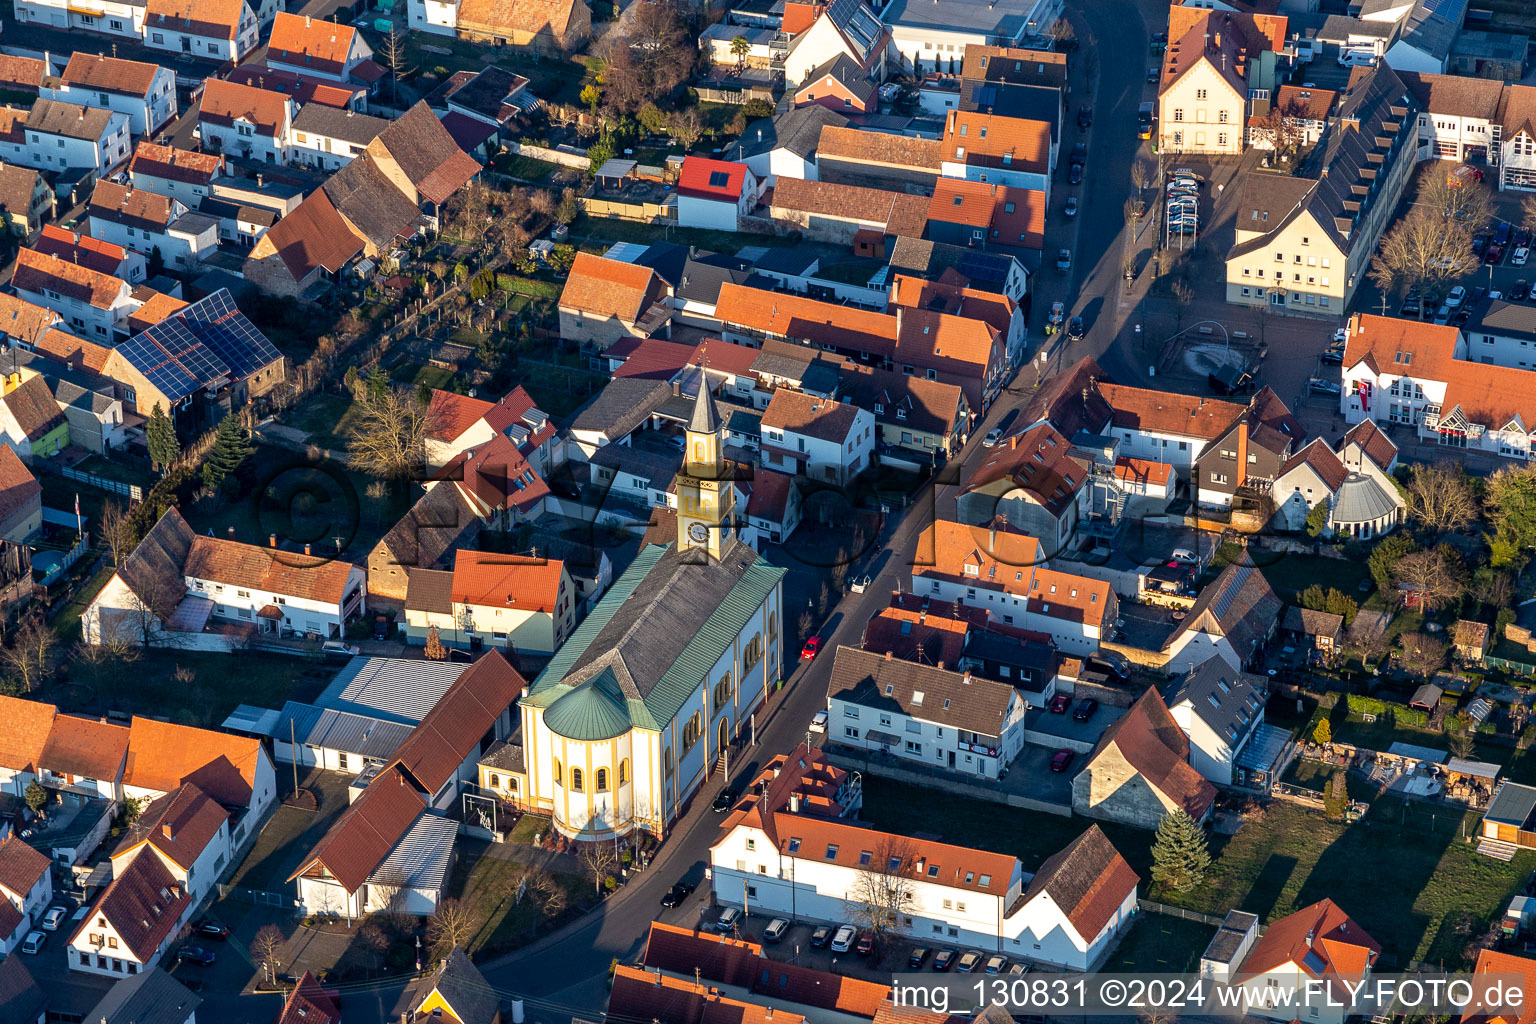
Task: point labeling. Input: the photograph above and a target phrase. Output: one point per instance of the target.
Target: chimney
(992, 530)
(1242, 451)
(231, 533)
(794, 806)
(677, 387)
(1013, 440)
(272, 539)
(258, 179)
(940, 664)
(967, 680)
(306, 21)
(306, 549)
(887, 655)
(168, 830)
(658, 977)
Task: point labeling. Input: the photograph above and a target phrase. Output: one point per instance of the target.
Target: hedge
(1402, 714)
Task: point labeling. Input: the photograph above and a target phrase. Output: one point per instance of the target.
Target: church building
(637, 708)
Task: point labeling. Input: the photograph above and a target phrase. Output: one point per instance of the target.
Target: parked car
(775, 930)
(819, 722)
(381, 627)
(1075, 329)
(1320, 386)
(1503, 233)
(1522, 238)
(1476, 295)
(1064, 259)
(195, 955)
(1084, 117)
(1085, 709)
(866, 944)
(1079, 153)
(1520, 256)
(916, 957)
(1411, 307)
(993, 436)
(1061, 760)
(729, 918)
(968, 961)
(860, 584)
(1018, 969)
(1057, 314)
(1060, 703)
(1334, 353)
(811, 649)
(1075, 175)
(1070, 209)
(1113, 662)
(336, 650)
(1520, 291)
(33, 943)
(1457, 296)
(674, 896)
(725, 800)
(1478, 245)
(1152, 74)
(210, 929)
(843, 940)
(995, 964)
(1493, 254)
(943, 959)
(52, 918)
(821, 936)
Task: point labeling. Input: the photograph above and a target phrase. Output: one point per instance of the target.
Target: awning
(191, 615)
(270, 611)
(876, 736)
(1477, 769)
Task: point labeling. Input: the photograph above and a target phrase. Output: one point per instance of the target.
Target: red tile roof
(638, 994)
(853, 144)
(36, 273)
(111, 74)
(1141, 471)
(179, 824)
(91, 253)
(308, 1003)
(312, 42)
(451, 731)
(993, 140)
(286, 573)
(19, 489)
(1088, 880)
(163, 756)
(21, 867)
(218, 18)
(901, 632)
(496, 475)
(1011, 216)
(1324, 462)
(449, 414)
(602, 287)
(313, 237)
(654, 359)
(85, 747)
(1038, 462)
(1163, 412)
(1377, 446)
(703, 178)
(225, 102)
(516, 408)
(367, 830)
(1000, 554)
(143, 905)
(27, 724)
(1321, 940)
(23, 320)
(1491, 961)
(174, 164)
(301, 87)
(1152, 742)
(507, 581)
(895, 213)
(798, 413)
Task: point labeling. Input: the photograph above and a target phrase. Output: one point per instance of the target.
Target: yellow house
(1202, 95)
(492, 600)
(455, 993)
(503, 771)
(1304, 244)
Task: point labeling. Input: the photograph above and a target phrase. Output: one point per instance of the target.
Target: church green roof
(588, 713)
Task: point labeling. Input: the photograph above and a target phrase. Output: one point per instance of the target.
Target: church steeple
(706, 495)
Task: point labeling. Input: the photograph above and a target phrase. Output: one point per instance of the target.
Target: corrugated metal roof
(394, 689)
(340, 730)
(250, 719)
(421, 858)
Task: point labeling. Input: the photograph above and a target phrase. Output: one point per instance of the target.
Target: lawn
(488, 884)
(560, 392)
(1160, 944)
(558, 80)
(432, 376)
(1440, 891)
(329, 420)
(1290, 573)
(526, 167)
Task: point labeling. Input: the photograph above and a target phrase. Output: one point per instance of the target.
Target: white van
(33, 943)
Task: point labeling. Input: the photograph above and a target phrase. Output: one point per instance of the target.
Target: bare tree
(390, 439)
(387, 895)
(374, 941)
(1441, 496)
(1455, 198)
(28, 658)
(1282, 130)
(450, 927)
(1461, 737)
(266, 948)
(469, 211)
(600, 859)
(140, 620)
(1141, 175)
(393, 56)
(1421, 654)
(115, 530)
(1422, 249)
(1431, 576)
(883, 892)
(685, 127)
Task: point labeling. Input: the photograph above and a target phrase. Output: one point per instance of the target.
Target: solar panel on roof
(1223, 602)
(207, 340)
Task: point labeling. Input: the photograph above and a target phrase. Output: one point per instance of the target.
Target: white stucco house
(1220, 709)
(714, 193)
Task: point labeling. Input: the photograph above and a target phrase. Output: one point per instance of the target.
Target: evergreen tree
(423, 395)
(160, 435)
(377, 382)
(1322, 733)
(1180, 856)
(231, 447)
(36, 797)
(1317, 519)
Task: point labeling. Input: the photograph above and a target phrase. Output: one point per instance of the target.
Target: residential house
(1246, 457)
(715, 193)
(152, 997)
(94, 304)
(987, 216)
(122, 18)
(1310, 950)
(492, 96)
(1220, 710)
(1304, 243)
(1034, 481)
(26, 201)
(91, 253)
(1028, 97)
(1212, 60)
(21, 750)
(1001, 150)
(932, 36)
(175, 582)
(31, 425)
(1517, 138)
(328, 138)
(83, 759)
(460, 423)
(841, 85)
(1014, 65)
(784, 144)
(59, 136)
(993, 272)
(1423, 33)
(817, 34)
(774, 508)
(133, 923)
(20, 993)
(1312, 630)
(638, 991)
(509, 601)
(179, 174)
(1304, 112)
(1458, 116)
(1501, 333)
(1139, 771)
(149, 223)
(22, 74)
(351, 95)
(246, 122)
(188, 831)
(955, 297)
(26, 889)
(308, 1003)
(924, 713)
(545, 26)
(455, 991)
(793, 825)
(864, 218)
(915, 418)
(395, 841)
(145, 93)
(1363, 502)
(1233, 618)
(832, 442)
(217, 30)
(1003, 571)
(604, 300)
(21, 499)
(849, 156)
(316, 48)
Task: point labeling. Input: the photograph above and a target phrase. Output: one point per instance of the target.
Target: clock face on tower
(698, 532)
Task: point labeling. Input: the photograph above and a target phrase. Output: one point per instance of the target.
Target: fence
(133, 492)
(580, 161)
(67, 562)
(1188, 915)
(259, 897)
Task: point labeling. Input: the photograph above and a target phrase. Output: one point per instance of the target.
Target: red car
(811, 649)
(1060, 703)
(866, 945)
(1060, 760)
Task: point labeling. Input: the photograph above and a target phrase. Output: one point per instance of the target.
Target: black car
(213, 930)
(1334, 353)
(1080, 153)
(725, 800)
(1075, 175)
(1476, 295)
(1502, 233)
(1519, 292)
(943, 959)
(916, 958)
(381, 627)
(821, 936)
(1111, 663)
(1084, 116)
(675, 895)
(1522, 237)
(1085, 709)
(1479, 244)
(1075, 329)
(196, 955)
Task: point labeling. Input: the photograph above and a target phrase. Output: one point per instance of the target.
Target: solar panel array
(207, 340)
(857, 21)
